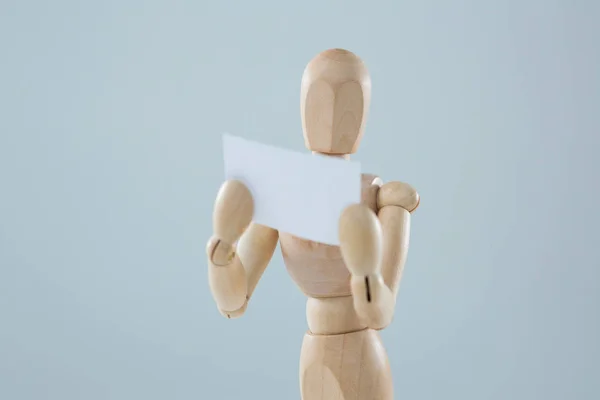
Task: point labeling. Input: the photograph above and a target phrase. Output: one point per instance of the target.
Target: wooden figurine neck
(343, 156)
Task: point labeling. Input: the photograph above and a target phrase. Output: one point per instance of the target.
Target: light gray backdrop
(110, 157)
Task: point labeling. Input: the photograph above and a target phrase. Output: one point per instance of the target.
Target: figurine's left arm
(396, 201)
(375, 294)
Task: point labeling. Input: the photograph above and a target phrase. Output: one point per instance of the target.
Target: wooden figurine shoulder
(398, 194)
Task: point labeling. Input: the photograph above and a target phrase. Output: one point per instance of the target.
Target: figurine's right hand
(232, 214)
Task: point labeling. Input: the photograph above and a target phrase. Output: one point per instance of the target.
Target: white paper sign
(298, 193)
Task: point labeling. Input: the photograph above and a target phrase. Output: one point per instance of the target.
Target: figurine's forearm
(395, 201)
(375, 292)
(374, 302)
(234, 273)
(255, 250)
(395, 224)
(226, 276)
(375, 295)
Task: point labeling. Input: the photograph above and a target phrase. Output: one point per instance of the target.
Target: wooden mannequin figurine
(351, 289)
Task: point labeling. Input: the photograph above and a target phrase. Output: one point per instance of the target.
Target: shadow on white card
(298, 193)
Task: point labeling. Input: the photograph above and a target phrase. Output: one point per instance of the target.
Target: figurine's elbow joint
(235, 313)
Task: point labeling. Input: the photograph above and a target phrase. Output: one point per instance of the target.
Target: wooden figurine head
(335, 99)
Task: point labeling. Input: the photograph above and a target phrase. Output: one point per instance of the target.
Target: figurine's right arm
(234, 270)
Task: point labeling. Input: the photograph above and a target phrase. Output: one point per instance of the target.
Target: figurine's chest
(319, 269)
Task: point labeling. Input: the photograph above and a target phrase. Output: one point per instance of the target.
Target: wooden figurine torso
(318, 269)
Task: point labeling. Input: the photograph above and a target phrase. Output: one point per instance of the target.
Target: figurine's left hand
(361, 244)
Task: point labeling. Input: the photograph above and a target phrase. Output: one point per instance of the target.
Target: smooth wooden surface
(361, 240)
(395, 224)
(352, 288)
(255, 249)
(233, 212)
(317, 269)
(335, 99)
(227, 281)
(232, 274)
(398, 194)
(332, 315)
(350, 366)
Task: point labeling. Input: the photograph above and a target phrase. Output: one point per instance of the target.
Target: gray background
(111, 114)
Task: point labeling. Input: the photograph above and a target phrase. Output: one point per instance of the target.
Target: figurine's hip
(348, 366)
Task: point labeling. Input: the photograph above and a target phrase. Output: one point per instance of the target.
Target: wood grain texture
(233, 284)
(335, 97)
(351, 366)
(319, 269)
(233, 275)
(351, 288)
(398, 194)
(255, 250)
(333, 315)
(361, 240)
(395, 224)
(227, 281)
(373, 301)
(233, 211)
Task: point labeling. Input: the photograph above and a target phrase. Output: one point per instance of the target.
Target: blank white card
(298, 193)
